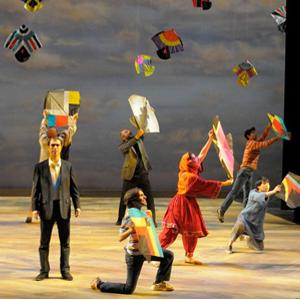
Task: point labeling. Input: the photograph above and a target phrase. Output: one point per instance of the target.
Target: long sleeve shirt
(253, 147)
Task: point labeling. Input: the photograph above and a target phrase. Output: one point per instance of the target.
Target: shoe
(192, 261)
(28, 220)
(162, 287)
(229, 250)
(95, 283)
(118, 223)
(67, 276)
(220, 216)
(42, 276)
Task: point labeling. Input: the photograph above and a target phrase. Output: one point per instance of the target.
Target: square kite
(148, 240)
(223, 145)
(57, 121)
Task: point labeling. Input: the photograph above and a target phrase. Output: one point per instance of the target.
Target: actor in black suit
(53, 186)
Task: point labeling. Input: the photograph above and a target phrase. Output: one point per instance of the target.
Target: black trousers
(143, 183)
(63, 226)
(134, 267)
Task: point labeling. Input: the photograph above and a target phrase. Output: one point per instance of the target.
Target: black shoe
(42, 276)
(118, 223)
(67, 276)
(28, 220)
(220, 216)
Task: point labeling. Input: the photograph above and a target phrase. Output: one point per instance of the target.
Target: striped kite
(279, 15)
(290, 190)
(167, 41)
(204, 4)
(148, 240)
(279, 126)
(22, 42)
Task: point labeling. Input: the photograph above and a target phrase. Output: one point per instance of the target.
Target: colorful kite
(61, 104)
(223, 145)
(144, 114)
(143, 64)
(279, 15)
(290, 190)
(278, 126)
(167, 42)
(22, 42)
(57, 121)
(32, 5)
(205, 4)
(148, 241)
(244, 72)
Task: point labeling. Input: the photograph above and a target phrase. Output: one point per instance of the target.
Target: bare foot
(193, 261)
(95, 282)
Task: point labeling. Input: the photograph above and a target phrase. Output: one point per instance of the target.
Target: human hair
(260, 181)
(131, 198)
(248, 131)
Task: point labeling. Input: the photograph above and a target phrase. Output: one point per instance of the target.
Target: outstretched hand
(227, 182)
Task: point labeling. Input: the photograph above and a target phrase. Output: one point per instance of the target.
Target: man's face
(54, 148)
(264, 187)
(125, 134)
(252, 135)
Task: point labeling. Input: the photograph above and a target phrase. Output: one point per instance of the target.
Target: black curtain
(291, 149)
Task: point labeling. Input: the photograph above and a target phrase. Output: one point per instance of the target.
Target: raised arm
(265, 132)
(125, 146)
(276, 190)
(206, 147)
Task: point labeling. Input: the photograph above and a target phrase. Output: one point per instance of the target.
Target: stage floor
(95, 251)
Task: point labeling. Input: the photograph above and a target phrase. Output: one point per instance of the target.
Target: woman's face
(142, 198)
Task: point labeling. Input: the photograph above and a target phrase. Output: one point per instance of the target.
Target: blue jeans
(243, 181)
(134, 267)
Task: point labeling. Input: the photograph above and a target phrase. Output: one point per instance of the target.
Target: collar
(58, 164)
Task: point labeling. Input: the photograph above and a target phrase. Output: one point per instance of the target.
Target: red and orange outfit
(183, 214)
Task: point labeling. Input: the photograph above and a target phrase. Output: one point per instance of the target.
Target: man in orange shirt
(244, 176)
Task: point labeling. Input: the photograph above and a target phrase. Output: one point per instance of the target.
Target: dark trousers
(143, 183)
(64, 238)
(134, 267)
(243, 181)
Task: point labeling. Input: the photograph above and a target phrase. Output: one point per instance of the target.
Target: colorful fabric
(278, 126)
(148, 241)
(32, 5)
(57, 121)
(223, 145)
(143, 64)
(290, 190)
(279, 15)
(204, 4)
(244, 72)
(167, 41)
(22, 42)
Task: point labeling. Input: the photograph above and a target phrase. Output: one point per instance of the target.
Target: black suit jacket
(42, 188)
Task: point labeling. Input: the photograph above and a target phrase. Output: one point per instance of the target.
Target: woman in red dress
(183, 214)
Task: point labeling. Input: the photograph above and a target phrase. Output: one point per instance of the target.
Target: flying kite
(148, 241)
(278, 126)
(223, 145)
(244, 72)
(290, 190)
(61, 104)
(204, 4)
(32, 5)
(143, 114)
(279, 15)
(22, 42)
(167, 42)
(143, 64)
